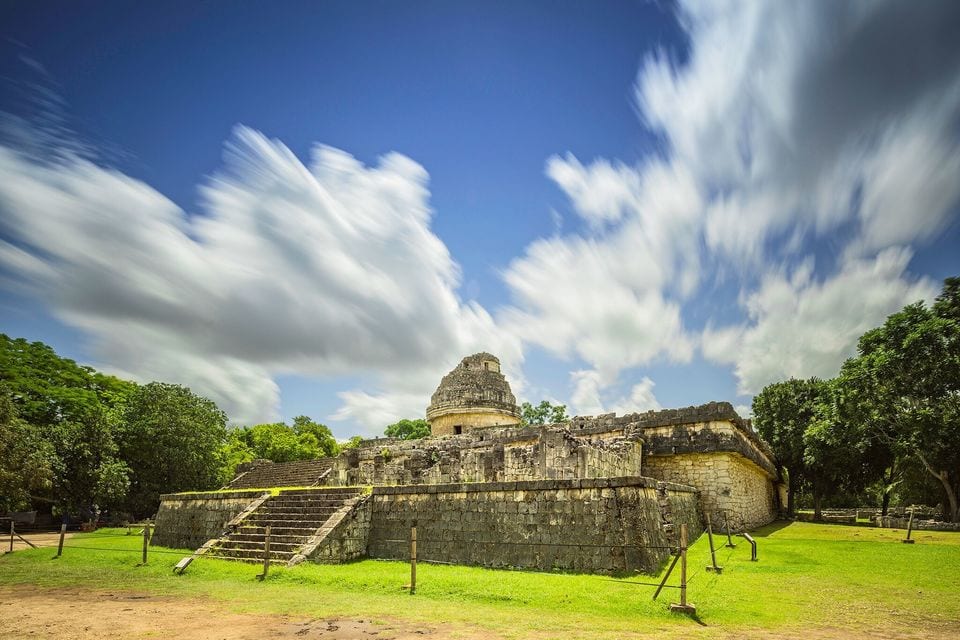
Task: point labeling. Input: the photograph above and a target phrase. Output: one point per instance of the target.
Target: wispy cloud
(320, 269)
(787, 122)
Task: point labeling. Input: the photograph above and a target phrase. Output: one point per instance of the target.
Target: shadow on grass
(771, 528)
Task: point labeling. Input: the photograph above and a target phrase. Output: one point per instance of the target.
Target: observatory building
(472, 396)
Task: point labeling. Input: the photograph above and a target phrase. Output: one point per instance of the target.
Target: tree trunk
(791, 495)
(944, 479)
(888, 487)
(816, 503)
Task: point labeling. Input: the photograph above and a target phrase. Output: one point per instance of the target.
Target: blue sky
(320, 207)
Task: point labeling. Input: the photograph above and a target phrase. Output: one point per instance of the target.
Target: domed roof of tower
(475, 382)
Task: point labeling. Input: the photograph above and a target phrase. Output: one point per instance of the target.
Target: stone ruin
(599, 494)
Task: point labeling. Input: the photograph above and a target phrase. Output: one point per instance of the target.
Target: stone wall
(347, 536)
(727, 482)
(487, 455)
(609, 525)
(186, 521)
(469, 419)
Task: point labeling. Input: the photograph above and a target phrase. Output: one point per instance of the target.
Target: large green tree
(543, 413)
(782, 413)
(904, 387)
(408, 429)
(280, 442)
(48, 389)
(88, 474)
(172, 440)
(25, 458)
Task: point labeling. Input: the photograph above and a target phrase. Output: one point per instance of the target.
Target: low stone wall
(609, 525)
(488, 455)
(186, 521)
(347, 537)
(727, 482)
(891, 522)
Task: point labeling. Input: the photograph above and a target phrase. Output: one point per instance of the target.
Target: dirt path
(29, 612)
(41, 539)
(78, 614)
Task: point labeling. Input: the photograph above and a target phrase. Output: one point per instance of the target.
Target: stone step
(319, 491)
(300, 507)
(274, 537)
(304, 532)
(255, 545)
(285, 519)
(241, 554)
(309, 500)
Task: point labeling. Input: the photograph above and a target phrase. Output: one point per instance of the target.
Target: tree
(782, 413)
(88, 474)
(48, 389)
(904, 385)
(543, 413)
(352, 443)
(234, 452)
(277, 441)
(172, 439)
(408, 429)
(316, 436)
(25, 458)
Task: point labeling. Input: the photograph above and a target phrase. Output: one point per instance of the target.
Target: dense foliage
(543, 413)
(85, 442)
(408, 429)
(888, 423)
(277, 441)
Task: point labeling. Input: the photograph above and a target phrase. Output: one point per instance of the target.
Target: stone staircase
(295, 518)
(264, 474)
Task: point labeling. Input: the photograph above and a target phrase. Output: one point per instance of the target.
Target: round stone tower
(475, 394)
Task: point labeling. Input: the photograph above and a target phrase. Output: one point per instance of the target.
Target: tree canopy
(543, 413)
(893, 407)
(408, 429)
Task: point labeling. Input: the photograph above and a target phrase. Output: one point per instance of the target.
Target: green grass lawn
(808, 576)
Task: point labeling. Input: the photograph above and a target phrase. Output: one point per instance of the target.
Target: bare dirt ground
(41, 539)
(28, 612)
(78, 614)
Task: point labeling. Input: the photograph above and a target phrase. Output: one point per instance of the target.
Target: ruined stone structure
(475, 394)
(598, 494)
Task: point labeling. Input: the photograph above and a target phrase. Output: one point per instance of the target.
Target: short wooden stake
(63, 532)
(726, 522)
(906, 540)
(713, 552)
(683, 606)
(667, 575)
(146, 541)
(12, 532)
(413, 558)
(266, 554)
(753, 546)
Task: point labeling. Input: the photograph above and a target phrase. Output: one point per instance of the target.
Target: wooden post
(683, 606)
(266, 554)
(12, 532)
(726, 521)
(413, 558)
(146, 541)
(667, 575)
(63, 532)
(753, 546)
(713, 552)
(906, 540)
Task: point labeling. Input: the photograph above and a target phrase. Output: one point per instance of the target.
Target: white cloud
(788, 125)
(788, 110)
(316, 269)
(588, 391)
(799, 327)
